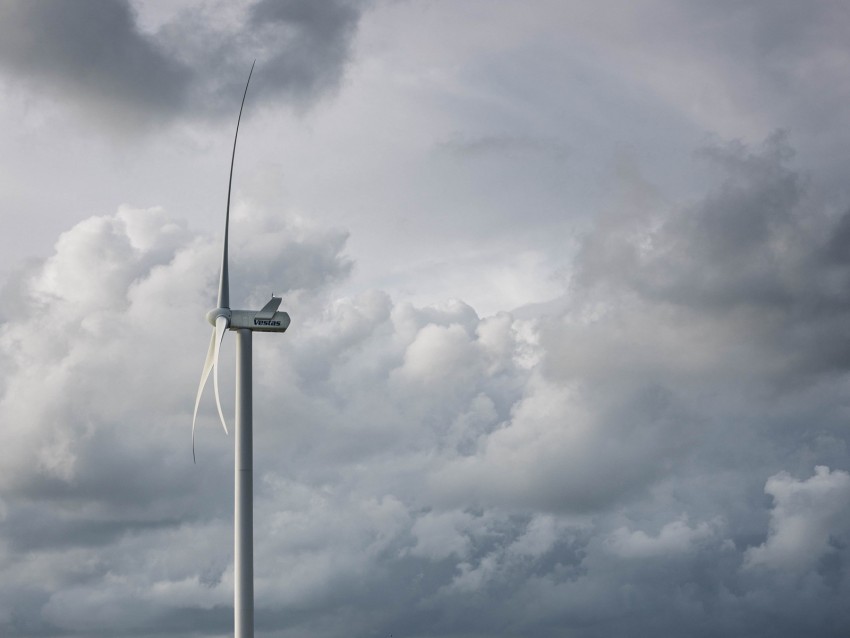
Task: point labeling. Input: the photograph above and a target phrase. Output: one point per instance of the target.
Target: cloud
(674, 538)
(92, 53)
(807, 523)
(554, 454)
(750, 268)
(317, 36)
(112, 283)
(600, 467)
(95, 56)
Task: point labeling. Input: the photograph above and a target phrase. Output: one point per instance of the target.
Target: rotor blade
(205, 374)
(220, 327)
(224, 281)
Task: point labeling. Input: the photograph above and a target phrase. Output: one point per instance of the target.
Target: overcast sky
(570, 296)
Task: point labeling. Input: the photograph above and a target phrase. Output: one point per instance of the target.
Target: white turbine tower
(243, 322)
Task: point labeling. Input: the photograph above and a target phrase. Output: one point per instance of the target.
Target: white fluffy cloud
(808, 520)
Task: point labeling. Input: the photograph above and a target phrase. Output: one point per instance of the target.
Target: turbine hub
(214, 314)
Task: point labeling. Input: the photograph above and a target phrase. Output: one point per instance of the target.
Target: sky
(570, 297)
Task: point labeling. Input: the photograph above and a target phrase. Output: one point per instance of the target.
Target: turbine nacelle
(247, 319)
(266, 320)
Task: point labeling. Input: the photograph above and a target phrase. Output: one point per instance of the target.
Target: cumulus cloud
(809, 520)
(598, 468)
(747, 275)
(674, 538)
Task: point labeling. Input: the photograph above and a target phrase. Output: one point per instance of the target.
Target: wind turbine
(243, 323)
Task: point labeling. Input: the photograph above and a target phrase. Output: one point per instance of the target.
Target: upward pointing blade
(223, 309)
(224, 281)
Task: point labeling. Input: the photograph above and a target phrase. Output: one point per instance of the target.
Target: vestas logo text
(266, 322)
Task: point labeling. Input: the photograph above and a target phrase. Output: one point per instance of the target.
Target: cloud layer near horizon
(666, 448)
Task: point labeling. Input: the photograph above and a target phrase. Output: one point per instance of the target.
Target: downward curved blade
(208, 365)
(218, 336)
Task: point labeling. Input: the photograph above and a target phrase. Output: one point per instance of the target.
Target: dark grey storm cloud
(317, 36)
(91, 51)
(93, 54)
